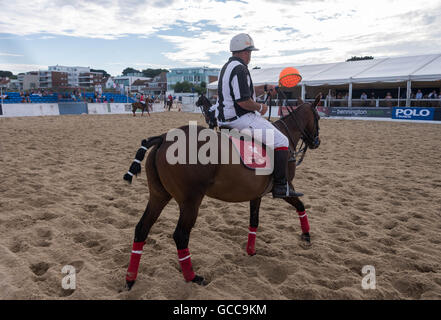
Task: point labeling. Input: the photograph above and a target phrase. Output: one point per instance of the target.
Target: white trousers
(268, 134)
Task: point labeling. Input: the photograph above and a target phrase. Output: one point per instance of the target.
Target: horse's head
(306, 119)
(311, 119)
(203, 102)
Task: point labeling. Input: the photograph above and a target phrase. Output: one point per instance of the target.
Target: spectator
(433, 95)
(373, 102)
(419, 95)
(170, 101)
(363, 96)
(388, 96)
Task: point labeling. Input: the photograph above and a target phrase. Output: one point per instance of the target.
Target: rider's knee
(281, 141)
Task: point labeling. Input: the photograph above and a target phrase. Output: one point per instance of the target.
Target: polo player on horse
(236, 108)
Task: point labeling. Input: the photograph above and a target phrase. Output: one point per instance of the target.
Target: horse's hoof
(200, 281)
(129, 285)
(306, 237)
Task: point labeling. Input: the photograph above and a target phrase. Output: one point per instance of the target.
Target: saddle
(253, 154)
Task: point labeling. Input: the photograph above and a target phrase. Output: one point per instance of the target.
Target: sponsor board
(324, 111)
(413, 113)
(437, 114)
(361, 112)
(73, 108)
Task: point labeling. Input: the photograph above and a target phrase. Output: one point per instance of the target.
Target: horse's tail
(135, 168)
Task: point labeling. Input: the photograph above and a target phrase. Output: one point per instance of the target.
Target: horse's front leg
(301, 211)
(254, 223)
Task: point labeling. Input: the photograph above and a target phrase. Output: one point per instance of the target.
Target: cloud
(294, 31)
(6, 54)
(18, 67)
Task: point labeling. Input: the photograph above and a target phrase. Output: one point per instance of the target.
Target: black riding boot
(281, 188)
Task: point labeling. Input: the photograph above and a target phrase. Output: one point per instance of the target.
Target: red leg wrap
(304, 221)
(251, 250)
(185, 263)
(135, 257)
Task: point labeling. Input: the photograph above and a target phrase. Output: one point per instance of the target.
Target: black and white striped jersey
(234, 85)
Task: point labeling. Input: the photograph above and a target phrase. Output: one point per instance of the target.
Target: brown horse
(188, 184)
(142, 106)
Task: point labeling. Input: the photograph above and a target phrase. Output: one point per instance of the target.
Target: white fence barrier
(52, 109)
(99, 108)
(30, 109)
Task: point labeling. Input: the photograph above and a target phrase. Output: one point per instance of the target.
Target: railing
(374, 103)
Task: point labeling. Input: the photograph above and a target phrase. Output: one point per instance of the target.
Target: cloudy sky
(114, 34)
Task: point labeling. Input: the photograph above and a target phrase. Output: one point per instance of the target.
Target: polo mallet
(268, 98)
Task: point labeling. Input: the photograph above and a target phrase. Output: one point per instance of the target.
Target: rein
(303, 147)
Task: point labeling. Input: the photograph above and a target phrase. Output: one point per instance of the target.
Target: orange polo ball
(289, 77)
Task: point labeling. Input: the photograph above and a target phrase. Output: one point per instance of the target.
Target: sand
(372, 191)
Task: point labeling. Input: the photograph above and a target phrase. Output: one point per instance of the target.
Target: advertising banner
(73, 108)
(361, 112)
(413, 113)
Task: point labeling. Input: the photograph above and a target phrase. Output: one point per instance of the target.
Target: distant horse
(204, 104)
(188, 184)
(142, 106)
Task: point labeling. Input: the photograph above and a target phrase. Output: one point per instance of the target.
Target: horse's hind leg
(301, 211)
(254, 223)
(154, 208)
(187, 218)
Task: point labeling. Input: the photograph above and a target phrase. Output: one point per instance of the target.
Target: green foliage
(105, 74)
(151, 73)
(181, 87)
(354, 58)
(4, 74)
(130, 70)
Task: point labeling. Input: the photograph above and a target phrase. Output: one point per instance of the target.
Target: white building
(29, 80)
(73, 73)
(127, 81)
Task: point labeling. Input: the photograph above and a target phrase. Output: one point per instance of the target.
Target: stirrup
(287, 192)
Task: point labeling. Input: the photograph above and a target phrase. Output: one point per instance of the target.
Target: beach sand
(372, 192)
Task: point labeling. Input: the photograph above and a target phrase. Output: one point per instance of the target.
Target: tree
(130, 70)
(354, 58)
(151, 73)
(4, 74)
(180, 87)
(202, 88)
(105, 74)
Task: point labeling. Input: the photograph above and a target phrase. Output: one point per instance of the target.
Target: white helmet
(242, 42)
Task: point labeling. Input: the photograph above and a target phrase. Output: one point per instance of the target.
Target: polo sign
(413, 113)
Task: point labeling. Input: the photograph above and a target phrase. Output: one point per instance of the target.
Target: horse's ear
(317, 100)
(300, 101)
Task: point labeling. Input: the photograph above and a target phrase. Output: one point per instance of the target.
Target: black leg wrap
(128, 178)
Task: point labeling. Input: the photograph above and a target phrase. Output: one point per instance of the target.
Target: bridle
(309, 140)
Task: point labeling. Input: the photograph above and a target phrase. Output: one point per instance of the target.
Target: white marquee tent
(408, 69)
